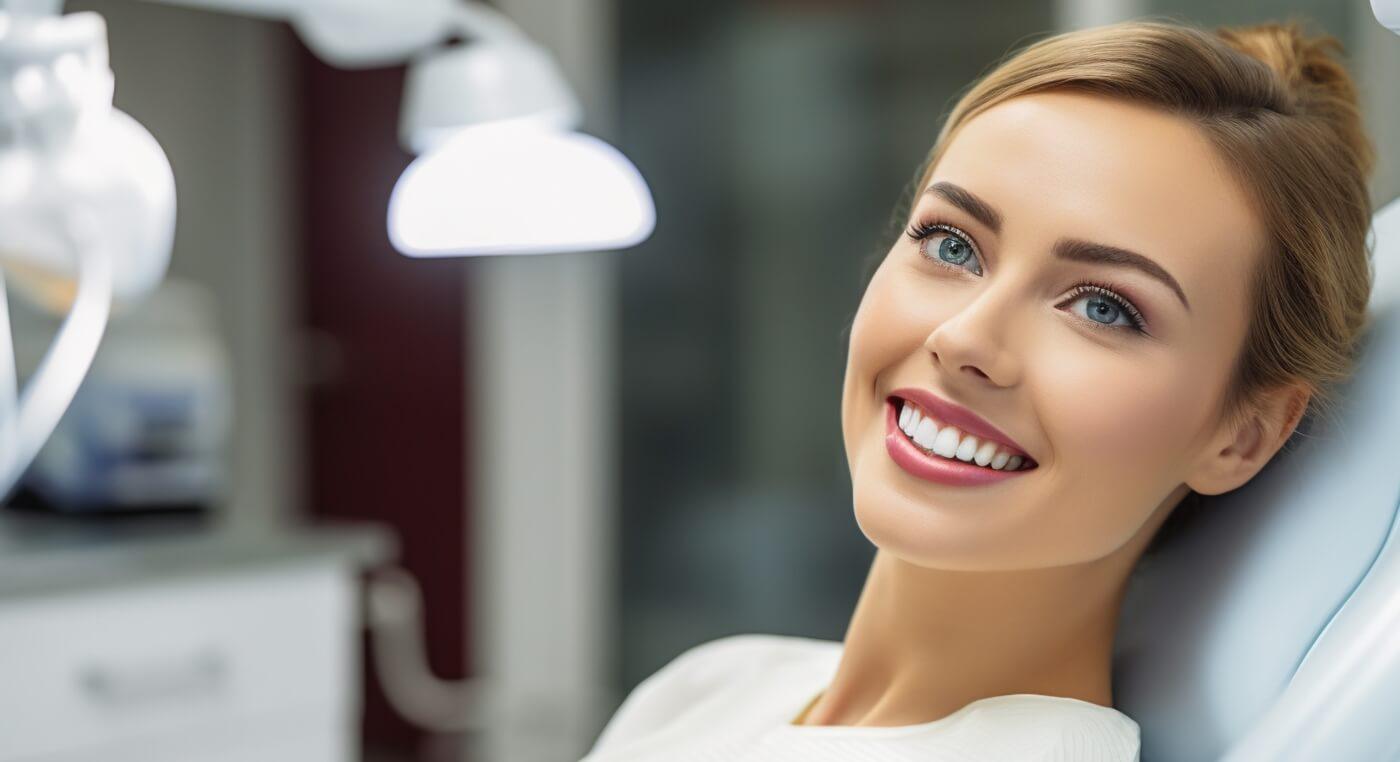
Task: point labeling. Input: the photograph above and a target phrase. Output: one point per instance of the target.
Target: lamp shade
(518, 187)
(487, 80)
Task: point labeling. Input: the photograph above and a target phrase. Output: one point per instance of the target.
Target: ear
(1243, 446)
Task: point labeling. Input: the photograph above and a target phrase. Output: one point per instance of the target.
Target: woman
(1135, 257)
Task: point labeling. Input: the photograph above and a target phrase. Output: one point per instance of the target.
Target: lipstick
(950, 414)
(918, 463)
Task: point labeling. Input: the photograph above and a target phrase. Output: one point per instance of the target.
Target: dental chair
(1269, 628)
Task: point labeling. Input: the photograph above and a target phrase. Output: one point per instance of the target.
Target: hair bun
(1311, 69)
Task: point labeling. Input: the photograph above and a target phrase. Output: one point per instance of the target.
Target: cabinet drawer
(215, 651)
(308, 737)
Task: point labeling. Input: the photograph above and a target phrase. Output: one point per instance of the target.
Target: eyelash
(1107, 290)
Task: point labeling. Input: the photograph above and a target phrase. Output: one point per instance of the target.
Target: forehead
(1064, 164)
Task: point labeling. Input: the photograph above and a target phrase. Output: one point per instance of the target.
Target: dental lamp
(87, 208)
(87, 197)
(500, 168)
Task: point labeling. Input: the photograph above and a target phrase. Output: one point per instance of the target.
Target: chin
(951, 534)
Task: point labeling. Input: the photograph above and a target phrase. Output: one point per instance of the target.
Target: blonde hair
(1283, 113)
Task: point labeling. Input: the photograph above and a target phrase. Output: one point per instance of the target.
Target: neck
(925, 642)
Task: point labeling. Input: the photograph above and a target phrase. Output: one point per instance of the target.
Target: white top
(734, 699)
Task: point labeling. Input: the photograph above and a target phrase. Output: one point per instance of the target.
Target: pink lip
(932, 467)
(968, 422)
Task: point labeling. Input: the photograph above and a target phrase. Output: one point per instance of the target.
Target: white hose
(9, 378)
(394, 608)
(51, 388)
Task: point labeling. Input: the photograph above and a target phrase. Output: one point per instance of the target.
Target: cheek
(896, 314)
(884, 332)
(1132, 411)
(886, 325)
(1120, 427)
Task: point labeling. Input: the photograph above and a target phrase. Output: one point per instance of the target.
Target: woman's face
(1046, 193)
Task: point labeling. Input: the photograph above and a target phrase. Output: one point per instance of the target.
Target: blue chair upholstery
(1269, 629)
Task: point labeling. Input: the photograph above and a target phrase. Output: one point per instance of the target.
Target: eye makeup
(923, 232)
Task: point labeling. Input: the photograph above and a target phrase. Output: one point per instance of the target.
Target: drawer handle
(203, 673)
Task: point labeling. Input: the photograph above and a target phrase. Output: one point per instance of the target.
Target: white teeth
(913, 423)
(967, 448)
(926, 433)
(985, 453)
(949, 442)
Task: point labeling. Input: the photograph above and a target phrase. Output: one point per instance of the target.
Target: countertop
(41, 553)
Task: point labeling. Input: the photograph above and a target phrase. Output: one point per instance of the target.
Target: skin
(1015, 587)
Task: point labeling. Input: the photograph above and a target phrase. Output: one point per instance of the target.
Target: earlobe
(1243, 448)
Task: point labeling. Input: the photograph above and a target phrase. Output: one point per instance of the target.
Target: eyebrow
(1072, 249)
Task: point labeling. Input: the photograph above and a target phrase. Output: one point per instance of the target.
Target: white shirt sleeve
(670, 690)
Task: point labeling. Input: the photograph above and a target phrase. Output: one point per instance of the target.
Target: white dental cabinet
(122, 643)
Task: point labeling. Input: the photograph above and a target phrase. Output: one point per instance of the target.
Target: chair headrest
(1220, 641)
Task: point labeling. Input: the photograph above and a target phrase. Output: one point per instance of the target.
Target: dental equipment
(87, 206)
(87, 197)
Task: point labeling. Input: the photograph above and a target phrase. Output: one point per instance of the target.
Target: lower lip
(932, 467)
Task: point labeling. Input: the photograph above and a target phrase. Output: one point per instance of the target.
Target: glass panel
(778, 138)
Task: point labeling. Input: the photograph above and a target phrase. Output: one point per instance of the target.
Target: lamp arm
(350, 34)
(365, 33)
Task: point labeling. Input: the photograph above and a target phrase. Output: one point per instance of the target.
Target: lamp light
(519, 188)
(500, 169)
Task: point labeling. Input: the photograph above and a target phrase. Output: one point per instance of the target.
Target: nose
(973, 339)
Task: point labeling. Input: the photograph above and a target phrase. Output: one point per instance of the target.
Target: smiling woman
(1105, 364)
(1134, 258)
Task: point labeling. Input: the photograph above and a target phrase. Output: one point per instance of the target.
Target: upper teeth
(950, 442)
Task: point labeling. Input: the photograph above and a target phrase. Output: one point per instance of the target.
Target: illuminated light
(519, 188)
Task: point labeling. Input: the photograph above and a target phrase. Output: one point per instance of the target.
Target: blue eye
(954, 248)
(1105, 308)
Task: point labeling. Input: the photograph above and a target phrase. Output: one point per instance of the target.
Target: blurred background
(590, 462)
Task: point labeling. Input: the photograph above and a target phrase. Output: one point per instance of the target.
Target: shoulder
(1092, 733)
(1106, 736)
(1059, 729)
(695, 673)
(730, 656)
(750, 650)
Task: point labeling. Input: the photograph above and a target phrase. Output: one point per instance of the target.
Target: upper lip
(967, 421)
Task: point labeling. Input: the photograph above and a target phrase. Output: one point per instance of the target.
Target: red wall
(385, 426)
